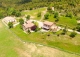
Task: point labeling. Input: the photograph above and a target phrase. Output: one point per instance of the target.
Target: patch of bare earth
(22, 53)
(34, 49)
(37, 50)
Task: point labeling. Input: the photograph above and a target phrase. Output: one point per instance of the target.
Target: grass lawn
(63, 41)
(11, 46)
(8, 43)
(71, 23)
(63, 21)
(34, 12)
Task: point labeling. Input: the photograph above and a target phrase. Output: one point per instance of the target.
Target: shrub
(21, 21)
(10, 24)
(78, 28)
(69, 15)
(73, 34)
(39, 14)
(46, 16)
(56, 15)
(28, 17)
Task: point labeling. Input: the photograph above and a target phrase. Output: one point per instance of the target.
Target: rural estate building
(9, 19)
(28, 25)
(49, 26)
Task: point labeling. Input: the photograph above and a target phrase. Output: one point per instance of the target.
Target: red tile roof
(28, 24)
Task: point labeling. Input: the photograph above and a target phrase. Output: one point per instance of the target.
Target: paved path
(70, 30)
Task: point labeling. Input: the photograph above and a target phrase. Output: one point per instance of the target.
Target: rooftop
(28, 24)
(48, 23)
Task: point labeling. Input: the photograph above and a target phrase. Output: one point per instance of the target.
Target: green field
(64, 21)
(11, 46)
(8, 42)
(34, 12)
(64, 42)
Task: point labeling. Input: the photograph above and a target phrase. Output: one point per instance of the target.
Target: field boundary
(40, 43)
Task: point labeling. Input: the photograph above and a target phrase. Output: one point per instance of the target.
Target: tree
(56, 15)
(73, 34)
(49, 9)
(21, 21)
(46, 16)
(28, 31)
(78, 28)
(10, 11)
(39, 14)
(37, 26)
(28, 17)
(30, 8)
(69, 14)
(64, 31)
(78, 18)
(10, 24)
(1, 15)
(57, 19)
(17, 14)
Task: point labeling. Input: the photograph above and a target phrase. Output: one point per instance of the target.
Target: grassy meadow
(63, 42)
(11, 46)
(8, 42)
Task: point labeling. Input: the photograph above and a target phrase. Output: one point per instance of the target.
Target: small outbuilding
(9, 19)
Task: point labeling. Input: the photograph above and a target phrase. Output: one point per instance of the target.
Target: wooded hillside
(61, 6)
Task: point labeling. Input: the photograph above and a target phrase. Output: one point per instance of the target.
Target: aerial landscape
(39, 28)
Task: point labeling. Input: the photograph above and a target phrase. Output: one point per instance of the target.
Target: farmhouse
(9, 19)
(47, 25)
(28, 25)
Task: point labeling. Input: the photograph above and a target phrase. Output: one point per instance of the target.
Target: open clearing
(63, 42)
(12, 46)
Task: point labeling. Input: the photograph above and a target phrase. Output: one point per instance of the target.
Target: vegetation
(64, 31)
(12, 11)
(69, 15)
(21, 21)
(11, 46)
(50, 39)
(10, 24)
(39, 14)
(60, 5)
(8, 42)
(56, 15)
(46, 16)
(78, 28)
(73, 34)
(28, 17)
(66, 13)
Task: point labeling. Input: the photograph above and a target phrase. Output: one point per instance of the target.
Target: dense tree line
(61, 6)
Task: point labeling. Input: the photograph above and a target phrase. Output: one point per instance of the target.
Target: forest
(61, 6)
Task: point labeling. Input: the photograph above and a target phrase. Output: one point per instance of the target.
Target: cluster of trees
(10, 25)
(28, 17)
(46, 16)
(62, 6)
(12, 11)
(78, 27)
(64, 32)
(21, 22)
